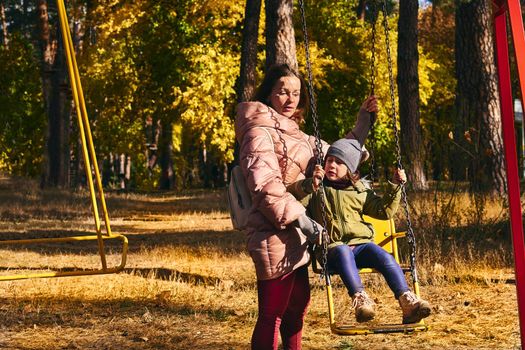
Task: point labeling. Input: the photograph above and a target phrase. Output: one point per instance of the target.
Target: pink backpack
(239, 199)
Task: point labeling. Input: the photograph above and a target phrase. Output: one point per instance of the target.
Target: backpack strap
(269, 136)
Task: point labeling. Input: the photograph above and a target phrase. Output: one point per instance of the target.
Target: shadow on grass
(20, 205)
(202, 201)
(71, 307)
(226, 242)
(159, 273)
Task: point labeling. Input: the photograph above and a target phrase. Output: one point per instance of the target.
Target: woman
(274, 152)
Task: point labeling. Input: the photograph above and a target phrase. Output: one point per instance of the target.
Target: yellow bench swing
(386, 235)
(90, 161)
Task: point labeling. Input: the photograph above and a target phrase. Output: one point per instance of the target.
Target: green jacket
(345, 209)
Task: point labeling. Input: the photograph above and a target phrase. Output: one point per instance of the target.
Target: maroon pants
(282, 306)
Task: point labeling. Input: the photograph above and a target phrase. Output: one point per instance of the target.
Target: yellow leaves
(141, 48)
(5, 165)
(212, 79)
(319, 62)
(426, 65)
(177, 96)
(219, 13)
(177, 137)
(122, 19)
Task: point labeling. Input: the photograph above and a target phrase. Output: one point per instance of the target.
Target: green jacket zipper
(341, 215)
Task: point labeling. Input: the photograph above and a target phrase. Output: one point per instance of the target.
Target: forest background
(161, 80)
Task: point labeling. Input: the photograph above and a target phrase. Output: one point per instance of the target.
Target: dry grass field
(188, 283)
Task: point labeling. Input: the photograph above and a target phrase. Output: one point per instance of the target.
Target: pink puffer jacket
(274, 243)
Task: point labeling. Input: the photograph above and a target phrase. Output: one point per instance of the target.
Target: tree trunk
(361, 9)
(280, 36)
(166, 156)
(55, 90)
(48, 56)
(46, 48)
(5, 38)
(246, 81)
(478, 130)
(28, 22)
(76, 171)
(71, 118)
(408, 89)
(58, 128)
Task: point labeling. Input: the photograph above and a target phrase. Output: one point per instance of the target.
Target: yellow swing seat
(104, 269)
(386, 237)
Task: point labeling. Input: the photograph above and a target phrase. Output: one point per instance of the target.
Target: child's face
(335, 169)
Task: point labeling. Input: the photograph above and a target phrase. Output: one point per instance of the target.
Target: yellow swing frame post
(386, 237)
(90, 160)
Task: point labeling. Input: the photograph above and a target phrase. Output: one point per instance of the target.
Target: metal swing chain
(372, 92)
(311, 93)
(410, 231)
(318, 143)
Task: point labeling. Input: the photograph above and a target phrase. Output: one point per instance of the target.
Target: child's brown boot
(364, 307)
(414, 308)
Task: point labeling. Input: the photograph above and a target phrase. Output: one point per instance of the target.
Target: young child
(351, 245)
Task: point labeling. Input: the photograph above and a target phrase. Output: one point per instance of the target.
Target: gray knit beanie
(348, 151)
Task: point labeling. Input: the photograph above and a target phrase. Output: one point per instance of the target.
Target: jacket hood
(257, 114)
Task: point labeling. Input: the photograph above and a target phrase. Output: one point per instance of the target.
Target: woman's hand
(370, 104)
(317, 177)
(399, 177)
(311, 229)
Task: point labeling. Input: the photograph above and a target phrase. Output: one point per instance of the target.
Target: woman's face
(285, 95)
(335, 169)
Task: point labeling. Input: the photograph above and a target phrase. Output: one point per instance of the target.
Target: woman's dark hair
(273, 74)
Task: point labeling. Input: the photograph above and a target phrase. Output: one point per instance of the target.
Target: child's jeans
(346, 262)
(282, 306)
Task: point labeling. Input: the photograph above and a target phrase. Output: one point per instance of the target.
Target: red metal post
(507, 118)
